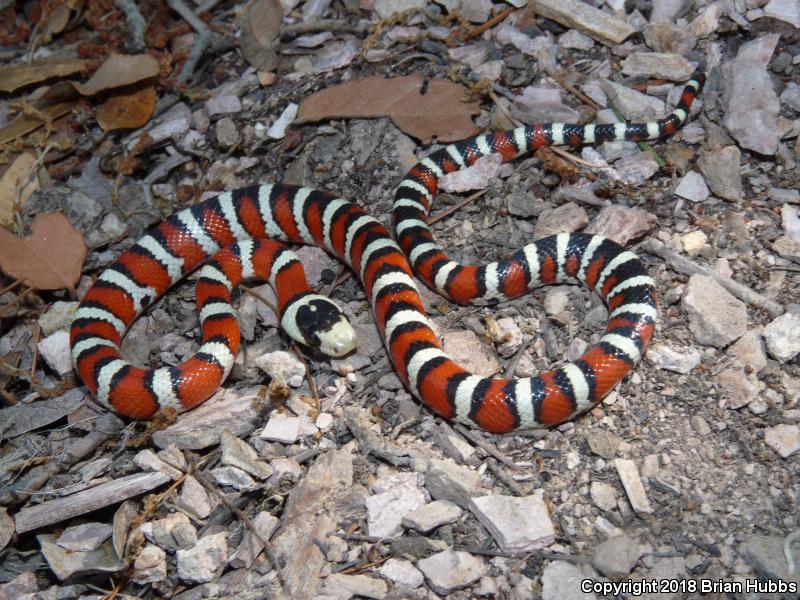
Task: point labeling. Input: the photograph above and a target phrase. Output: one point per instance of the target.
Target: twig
(511, 118)
(689, 267)
(476, 31)
(201, 42)
(16, 299)
(489, 448)
(459, 206)
(36, 334)
(8, 288)
(136, 23)
(575, 91)
(507, 481)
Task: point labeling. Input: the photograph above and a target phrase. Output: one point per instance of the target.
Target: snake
(241, 234)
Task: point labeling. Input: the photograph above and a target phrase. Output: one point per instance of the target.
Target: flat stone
(251, 545)
(518, 524)
(478, 176)
(173, 532)
(55, 350)
(338, 585)
(629, 475)
(240, 454)
(716, 318)
(575, 40)
(668, 10)
(223, 104)
(226, 132)
(285, 430)
(616, 558)
(721, 171)
(661, 65)
(386, 510)
(784, 10)
(402, 573)
(791, 222)
(562, 581)
(739, 387)
(58, 316)
(194, 498)
(568, 217)
(66, 563)
(692, 187)
(749, 350)
(636, 169)
(85, 537)
(635, 106)
(622, 224)
(446, 480)
(282, 366)
(386, 8)
(604, 444)
(6, 528)
(199, 563)
(19, 587)
(790, 95)
(235, 478)
(432, 515)
(784, 439)
(468, 350)
(751, 104)
(451, 570)
(666, 357)
(782, 337)
(765, 554)
(603, 495)
(573, 14)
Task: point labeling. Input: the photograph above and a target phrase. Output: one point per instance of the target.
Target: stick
(135, 22)
(689, 267)
(201, 43)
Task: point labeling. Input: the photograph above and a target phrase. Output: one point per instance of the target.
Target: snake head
(317, 322)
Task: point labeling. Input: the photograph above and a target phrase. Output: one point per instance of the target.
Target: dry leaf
(18, 183)
(127, 111)
(120, 70)
(261, 28)
(439, 112)
(50, 258)
(16, 76)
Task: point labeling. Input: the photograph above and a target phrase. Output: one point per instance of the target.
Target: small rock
(235, 478)
(20, 587)
(636, 169)
(199, 564)
(568, 217)
(55, 351)
(694, 243)
(451, 570)
(227, 133)
(556, 300)
(665, 357)
(194, 498)
(667, 10)
(285, 430)
(277, 131)
(749, 350)
(622, 224)
(148, 461)
(475, 177)
(617, 557)
(240, 454)
(784, 10)
(661, 65)
(386, 8)
(784, 439)
(700, 425)
(634, 105)
(716, 318)
(791, 222)
(399, 496)
(739, 387)
(562, 581)
(476, 11)
(446, 480)
(522, 205)
(338, 585)
(782, 336)
(402, 573)
(721, 171)
(150, 565)
(575, 40)
(766, 555)
(432, 515)
(251, 545)
(58, 316)
(751, 104)
(282, 366)
(791, 95)
(692, 187)
(86, 537)
(66, 563)
(468, 350)
(604, 444)
(173, 532)
(518, 525)
(223, 104)
(603, 495)
(629, 475)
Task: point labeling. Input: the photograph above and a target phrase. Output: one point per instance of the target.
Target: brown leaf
(16, 76)
(120, 70)
(50, 258)
(261, 28)
(439, 112)
(18, 183)
(127, 111)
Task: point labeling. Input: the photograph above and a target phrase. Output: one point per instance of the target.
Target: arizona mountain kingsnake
(241, 231)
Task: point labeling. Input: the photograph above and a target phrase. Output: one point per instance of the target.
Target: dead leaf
(18, 183)
(439, 112)
(127, 111)
(261, 29)
(50, 258)
(16, 76)
(120, 70)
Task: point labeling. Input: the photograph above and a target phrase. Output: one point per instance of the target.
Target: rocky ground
(309, 478)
